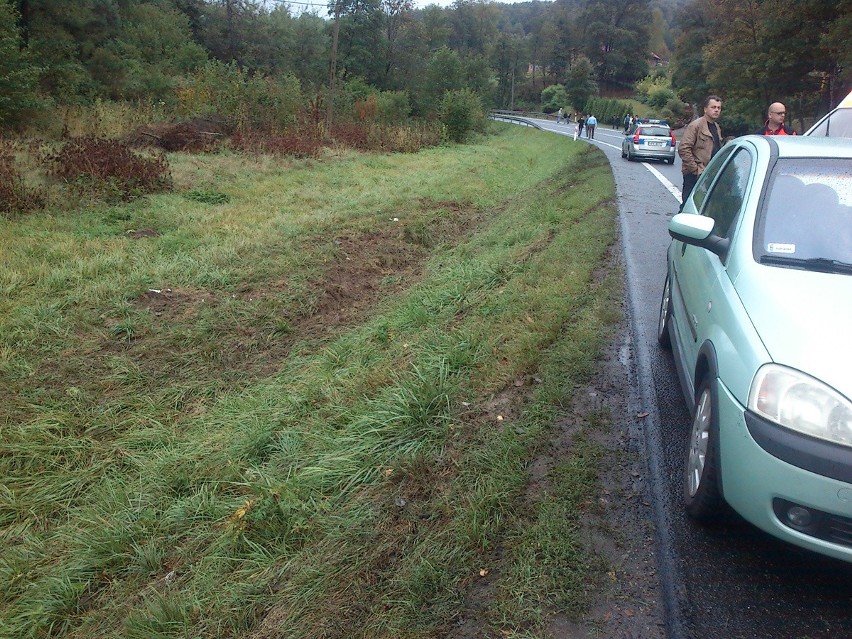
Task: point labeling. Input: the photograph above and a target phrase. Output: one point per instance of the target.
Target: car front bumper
(763, 488)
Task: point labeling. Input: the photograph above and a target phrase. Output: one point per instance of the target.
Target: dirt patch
(136, 234)
(363, 268)
(199, 134)
(620, 528)
(617, 528)
(366, 267)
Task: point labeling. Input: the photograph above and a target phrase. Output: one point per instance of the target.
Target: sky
(446, 3)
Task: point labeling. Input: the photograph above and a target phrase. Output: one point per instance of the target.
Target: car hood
(803, 319)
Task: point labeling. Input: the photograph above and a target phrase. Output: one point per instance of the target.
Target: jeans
(689, 180)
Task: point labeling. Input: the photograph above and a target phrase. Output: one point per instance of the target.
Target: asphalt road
(730, 581)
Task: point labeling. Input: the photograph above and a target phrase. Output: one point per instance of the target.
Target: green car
(757, 309)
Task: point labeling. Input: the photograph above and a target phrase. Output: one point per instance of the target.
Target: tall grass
(184, 453)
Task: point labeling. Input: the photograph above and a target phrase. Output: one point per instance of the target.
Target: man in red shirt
(774, 124)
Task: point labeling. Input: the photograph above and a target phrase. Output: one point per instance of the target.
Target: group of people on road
(702, 138)
(588, 122)
(629, 121)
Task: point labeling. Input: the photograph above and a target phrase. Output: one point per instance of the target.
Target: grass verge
(305, 403)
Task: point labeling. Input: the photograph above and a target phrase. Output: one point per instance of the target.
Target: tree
(156, 46)
(581, 83)
(753, 52)
(616, 34)
(688, 75)
(507, 63)
(474, 27)
(18, 76)
(445, 72)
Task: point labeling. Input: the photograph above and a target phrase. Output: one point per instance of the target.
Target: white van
(837, 124)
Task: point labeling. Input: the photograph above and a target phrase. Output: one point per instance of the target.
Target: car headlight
(800, 402)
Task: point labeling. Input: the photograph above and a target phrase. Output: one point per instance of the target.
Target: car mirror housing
(697, 230)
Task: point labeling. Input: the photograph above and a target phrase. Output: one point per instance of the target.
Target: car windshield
(837, 125)
(654, 130)
(807, 218)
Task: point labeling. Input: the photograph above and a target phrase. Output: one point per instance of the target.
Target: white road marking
(671, 188)
(662, 178)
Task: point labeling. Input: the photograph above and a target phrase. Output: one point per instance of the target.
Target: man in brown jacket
(701, 139)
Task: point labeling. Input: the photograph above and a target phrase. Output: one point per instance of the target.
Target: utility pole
(332, 75)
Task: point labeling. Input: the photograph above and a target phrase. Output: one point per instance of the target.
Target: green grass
(293, 410)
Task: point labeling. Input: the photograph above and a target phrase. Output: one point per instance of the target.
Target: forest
(55, 53)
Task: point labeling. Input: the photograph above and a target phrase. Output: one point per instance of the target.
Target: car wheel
(623, 154)
(663, 337)
(671, 161)
(702, 498)
(630, 157)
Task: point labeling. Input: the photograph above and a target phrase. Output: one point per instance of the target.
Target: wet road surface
(730, 581)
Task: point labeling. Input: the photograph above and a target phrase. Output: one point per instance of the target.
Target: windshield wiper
(821, 264)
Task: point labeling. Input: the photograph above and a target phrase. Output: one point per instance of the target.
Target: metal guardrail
(503, 116)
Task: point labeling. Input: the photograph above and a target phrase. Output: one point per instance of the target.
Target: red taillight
(674, 141)
(636, 136)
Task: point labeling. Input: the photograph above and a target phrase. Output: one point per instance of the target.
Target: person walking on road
(559, 116)
(591, 123)
(701, 140)
(581, 122)
(774, 124)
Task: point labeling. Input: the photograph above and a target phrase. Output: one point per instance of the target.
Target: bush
(355, 136)
(659, 97)
(411, 138)
(393, 107)
(461, 112)
(553, 98)
(293, 143)
(200, 134)
(608, 109)
(15, 197)
(248, 101)
(109, 168)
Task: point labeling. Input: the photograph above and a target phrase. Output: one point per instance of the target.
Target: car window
(699, 193)
(654, 131)
(836, 125)
(808, 212)
(726, 197)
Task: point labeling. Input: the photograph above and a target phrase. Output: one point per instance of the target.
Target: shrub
(553, 98)
(200, 134)
(393, 107)
(293, 143)
(411, 138)
(109, 168)
(461, 113)
(248, 101)
(659, 97)
(356, 136)
(15, 197)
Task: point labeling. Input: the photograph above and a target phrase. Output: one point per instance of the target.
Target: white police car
(837, 124)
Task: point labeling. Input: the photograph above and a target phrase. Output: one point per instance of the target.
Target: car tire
(630, 157)
(665, 317)
(623, 154)
(671, 161)
(702, 497)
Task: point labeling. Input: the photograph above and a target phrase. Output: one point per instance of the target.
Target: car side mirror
(697, 230)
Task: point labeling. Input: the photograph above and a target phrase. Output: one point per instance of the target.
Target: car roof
(797, 146)
(845, 103)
